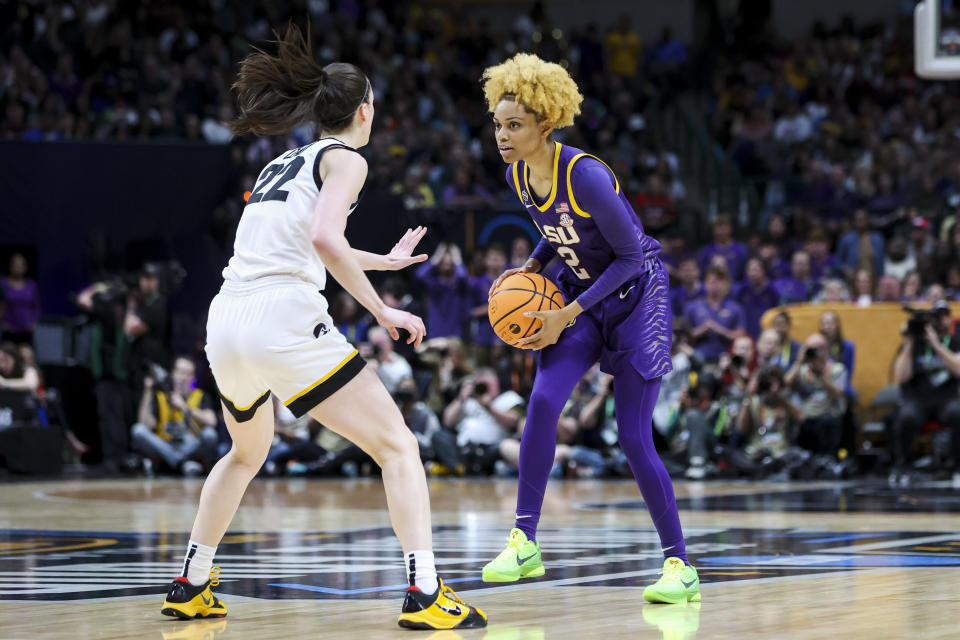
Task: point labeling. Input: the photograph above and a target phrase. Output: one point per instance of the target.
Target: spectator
(475, 423)
(623, 49)
(766, 420)
(145, 322)
(818, 383)
(689, 289)
(888, 289)
(655, 206)
(422, 421)
(391, 367)
(15, 374)
(178, 423)
(21, 309)
(349, 318)
(800, 286)
(927, 368)
(863, 288)
(109, 362)
(724, 245)
(770, 352)
(494, 263)
(833, 291)
(715, 320)
(912, 290)
(860, 248)
(840, 349)
(898, 262)
(520, 250)
(466, 192)
(755, 295)
(790, 349)
(448, 290)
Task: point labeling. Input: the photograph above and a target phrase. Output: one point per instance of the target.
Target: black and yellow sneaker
(442, 609)
(186, 601)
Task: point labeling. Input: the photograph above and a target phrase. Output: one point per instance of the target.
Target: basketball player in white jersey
(269, 330)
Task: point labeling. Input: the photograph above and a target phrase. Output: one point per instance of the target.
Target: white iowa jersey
(273, 237)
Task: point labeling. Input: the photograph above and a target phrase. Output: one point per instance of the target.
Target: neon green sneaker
(679, 583)
(521, 559)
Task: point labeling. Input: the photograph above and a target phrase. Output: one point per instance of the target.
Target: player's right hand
(503, 276)
(392, 319)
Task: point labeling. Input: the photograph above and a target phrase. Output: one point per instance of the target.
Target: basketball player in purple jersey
(617, 312)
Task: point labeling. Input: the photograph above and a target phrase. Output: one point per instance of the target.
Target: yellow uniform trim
(516, 181)
(573, 201)
(322, 380)
(553, 188)
(248, 407)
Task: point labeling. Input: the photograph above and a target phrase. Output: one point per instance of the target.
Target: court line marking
(859, 548)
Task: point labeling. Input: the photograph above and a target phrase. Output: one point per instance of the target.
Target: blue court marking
(85, 534)
(850, 536)
(839, 561)
(351, 592)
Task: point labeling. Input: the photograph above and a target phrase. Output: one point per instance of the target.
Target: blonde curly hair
(544, 88)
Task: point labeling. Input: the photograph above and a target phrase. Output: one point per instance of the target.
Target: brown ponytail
(278, 93)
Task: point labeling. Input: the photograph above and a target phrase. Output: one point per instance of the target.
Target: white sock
(197, 562)
(421, 570)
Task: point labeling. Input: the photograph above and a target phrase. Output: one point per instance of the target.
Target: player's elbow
(328, 245)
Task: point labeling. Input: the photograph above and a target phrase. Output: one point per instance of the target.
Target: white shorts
(274, 334)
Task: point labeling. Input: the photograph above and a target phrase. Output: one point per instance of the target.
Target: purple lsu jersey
(566, 226)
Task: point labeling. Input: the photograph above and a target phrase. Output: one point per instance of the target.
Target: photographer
(176, 421)
(145, 321)
(766, 421)
(418, 417)
(927, 369)
(391, 366)
(475, 423)
(818, 383)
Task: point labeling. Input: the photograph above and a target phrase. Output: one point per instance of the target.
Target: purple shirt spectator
(480, 290)
(734, 253)
(681, 297)
(448, 298)
(728, 315)
(755, 302)
(22, 307)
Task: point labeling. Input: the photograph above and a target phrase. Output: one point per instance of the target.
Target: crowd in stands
(853, 158)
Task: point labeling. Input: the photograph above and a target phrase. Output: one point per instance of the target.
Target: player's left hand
(554, 322)
(400, 256)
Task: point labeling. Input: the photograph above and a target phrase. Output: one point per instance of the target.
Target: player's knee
(250, 455)
(544, 403)
(395, 442)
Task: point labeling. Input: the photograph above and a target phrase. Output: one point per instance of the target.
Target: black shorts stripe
(242, 415)
(317, 394)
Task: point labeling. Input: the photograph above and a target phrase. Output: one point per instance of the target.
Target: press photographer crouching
(177, 422)
(818, 383)
(927, 369)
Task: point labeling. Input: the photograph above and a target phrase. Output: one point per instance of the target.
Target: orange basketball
(516, 295)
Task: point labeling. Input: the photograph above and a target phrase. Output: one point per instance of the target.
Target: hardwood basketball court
(305, 559)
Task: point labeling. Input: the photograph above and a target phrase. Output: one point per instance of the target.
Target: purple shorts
(633, 326)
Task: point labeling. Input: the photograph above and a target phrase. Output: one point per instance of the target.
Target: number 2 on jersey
(573, 262)
(287, 172)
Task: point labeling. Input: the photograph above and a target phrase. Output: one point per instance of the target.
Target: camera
(162, 380)
(918, 321)
(481, 389)
(737, 361)
(810, 355)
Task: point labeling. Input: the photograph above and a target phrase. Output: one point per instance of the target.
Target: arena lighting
(934, 45)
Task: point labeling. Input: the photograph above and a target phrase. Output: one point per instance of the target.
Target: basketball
(516, 295)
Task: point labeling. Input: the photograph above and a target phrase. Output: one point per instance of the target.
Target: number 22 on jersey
(287, 172)
(566, 236)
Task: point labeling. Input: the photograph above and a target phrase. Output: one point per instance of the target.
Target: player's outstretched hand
(503, 276)
(392, 319)
(401, 256)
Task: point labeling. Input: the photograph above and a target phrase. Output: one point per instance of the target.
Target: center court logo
(364, 564)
